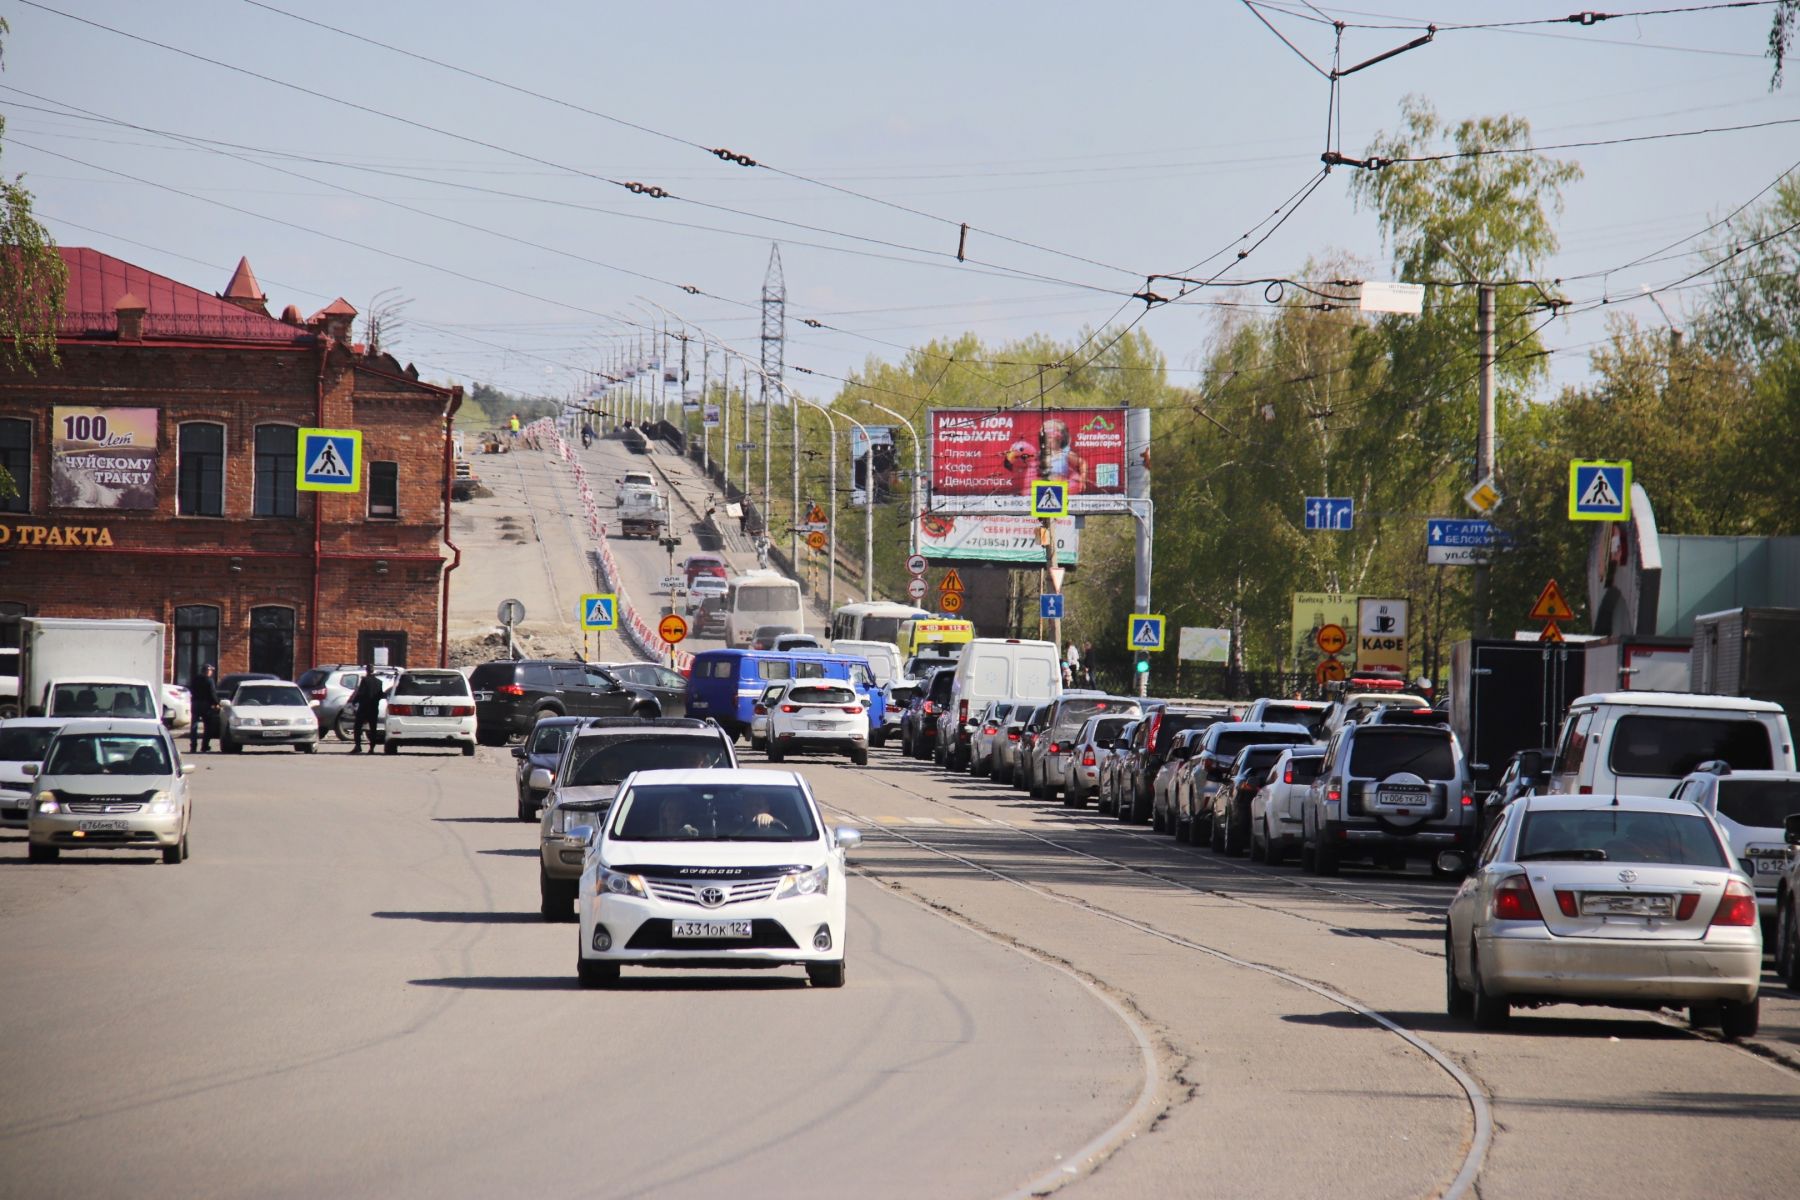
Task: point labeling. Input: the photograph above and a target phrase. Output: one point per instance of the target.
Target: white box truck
(71, 666)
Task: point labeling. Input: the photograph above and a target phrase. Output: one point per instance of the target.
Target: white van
(1644, 743)
(884, 657)
(758, 598)
(1003, 669)
(873, 621)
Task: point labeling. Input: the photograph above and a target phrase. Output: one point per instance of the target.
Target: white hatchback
(431, 708)
(110, 785)
(713, 868)
(817, 714)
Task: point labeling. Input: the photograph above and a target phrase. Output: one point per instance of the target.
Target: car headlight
(163, 803)
(46, 802)
(815, 882)
(619, 883)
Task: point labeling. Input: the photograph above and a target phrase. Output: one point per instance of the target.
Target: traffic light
(1143, 664)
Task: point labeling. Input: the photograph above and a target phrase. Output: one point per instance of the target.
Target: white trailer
(60, 654)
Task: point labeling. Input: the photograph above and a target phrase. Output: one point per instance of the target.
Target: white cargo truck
(643, 511)
(71, 667)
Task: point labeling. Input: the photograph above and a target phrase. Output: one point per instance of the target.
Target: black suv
(513, 695)
(918, 724)
(1150, 749)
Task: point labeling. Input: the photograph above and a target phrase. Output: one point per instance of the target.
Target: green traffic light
(1143, 666)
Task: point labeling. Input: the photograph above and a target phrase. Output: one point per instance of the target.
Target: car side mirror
(32, 770)
(846, 837)
(187, 768)
(1791, 828)
(518, 752)
(541, 779)
(1531, 763)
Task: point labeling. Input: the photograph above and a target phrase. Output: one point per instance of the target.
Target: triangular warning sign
(952, 582)
(815, 515)
(329, 463)
(1551, 633)
(1145, 634)
(1550, 605)
(1599, 493)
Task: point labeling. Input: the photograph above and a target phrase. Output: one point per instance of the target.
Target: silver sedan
(1627, 901)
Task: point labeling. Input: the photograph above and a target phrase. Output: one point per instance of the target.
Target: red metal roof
(97, 282)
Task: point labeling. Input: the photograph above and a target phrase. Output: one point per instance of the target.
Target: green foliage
(487, 407)
(32, 278)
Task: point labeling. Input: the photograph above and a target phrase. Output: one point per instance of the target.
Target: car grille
(102, 806)
(657, 934)
(679, 892)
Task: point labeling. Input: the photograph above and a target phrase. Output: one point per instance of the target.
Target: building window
(384, 491)
(15, 457)
(277, 447)
(272, 640)
(200, 491)
(196, 640)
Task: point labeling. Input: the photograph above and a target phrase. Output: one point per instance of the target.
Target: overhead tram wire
(1584, 19)
(722, 155)
(950, 259)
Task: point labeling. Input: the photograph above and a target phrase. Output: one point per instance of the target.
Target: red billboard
(979, 455)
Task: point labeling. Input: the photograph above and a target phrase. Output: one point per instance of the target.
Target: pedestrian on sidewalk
(367, 699)
(203, 695)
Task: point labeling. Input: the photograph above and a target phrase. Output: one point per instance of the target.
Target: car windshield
(1619, 835)
(882, 629)
(108, 754)
(1670, 747)
(27, 744)
(440, 683)
(548, 739)
(821, 695)
(1756, 803)
(733, 812)
(596, 761)
(1425, 753)
(1073, 714)
(1229, 741)
(1310, 716)
(103, 700)
(261, 695)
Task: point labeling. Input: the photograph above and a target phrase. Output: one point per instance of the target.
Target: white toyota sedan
(714, 868)
(1628, 901)
(268, 713)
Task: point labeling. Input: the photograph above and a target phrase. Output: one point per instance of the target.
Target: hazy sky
(1118, 140)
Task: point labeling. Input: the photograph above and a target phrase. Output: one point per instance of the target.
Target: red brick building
(157, 475)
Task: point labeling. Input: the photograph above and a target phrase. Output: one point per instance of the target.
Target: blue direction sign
(1599, 490)
(1050, 606)
(1330, 512)
(1049, 498)
(1144, 631)
(1456, 542)
(600, 611)
(329, 460)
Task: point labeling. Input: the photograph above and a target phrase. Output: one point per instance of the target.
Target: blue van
(724, 684)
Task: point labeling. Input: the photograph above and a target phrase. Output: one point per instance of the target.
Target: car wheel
(388, 747)
(41, 854)
(826, 974)
(527, 810)
(596, 974)
(555, 903)
(1215, 833)
(1490, 1011)
(1232, 840)
(1258, 850)
(345, 725)
(1325, 860)
(905, 743)
(1739, 1019)
(171, 855)
(1703, 1016)
(1787, 945)
(306, 747)
(646, 712)
(776, 754)
(484, 737)
(1458, 1002)
(878, 739)
(756, 743)
(860, 756)
(1273, 854)
(468, 749)
(230, 747)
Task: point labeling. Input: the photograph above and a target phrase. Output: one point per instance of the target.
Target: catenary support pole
(1484, 438)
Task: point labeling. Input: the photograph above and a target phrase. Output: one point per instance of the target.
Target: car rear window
(488, 675)
(442, 683)
(1425, 753)
(725, 813)
(1305, 768)
(1622, 835)
(1310, 716)
(1759, 803)
(1258, 762)
(1227, 742)
(594, 761)
(821, 695)
(1108, 728)
(1174, 723)
(1073, 714)
(312, 679)
(1672, 746)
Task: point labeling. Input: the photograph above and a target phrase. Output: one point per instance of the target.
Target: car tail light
(400, 710)
(1055, 748)
(462, 710)
(1287, 776)
(930, 708)
(853, 709)
(1565, 900)
(962, 711)
(1586, 789)
(1468, 802)
(760, 710)
(1155, 728)
(1738, 907)
(1087, 759)
(790, 708)
(1686, 904)
(1333, 795)
(990, 729)
(1513, 901)
(509, 689)
(1012, 735)
(318, 694)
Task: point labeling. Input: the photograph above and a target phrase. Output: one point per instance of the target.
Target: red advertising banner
(979, 455)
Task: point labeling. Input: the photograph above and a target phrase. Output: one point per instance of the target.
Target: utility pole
(725, 431)
(1484, 437)
(868, 516)
(705, 389)
(744, 483)
(831, 520)
(768, 501)
(681, 395)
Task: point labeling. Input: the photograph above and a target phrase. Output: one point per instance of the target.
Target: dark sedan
(543, 747)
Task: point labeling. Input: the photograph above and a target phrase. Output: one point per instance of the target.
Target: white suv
(431, 708)
(1751, 807)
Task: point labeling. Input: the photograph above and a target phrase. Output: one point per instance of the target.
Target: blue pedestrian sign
(600, 611)
(1050, 606)
(329, 460)
(1599, 490)
(1454, 542)
(1330, 512)
(1049, 498)
(1144, 631)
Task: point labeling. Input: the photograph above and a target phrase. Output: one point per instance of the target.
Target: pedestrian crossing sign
(1049, 498)
(1599, 490)
(1145, 632)
(329, 460)
(600, 611)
